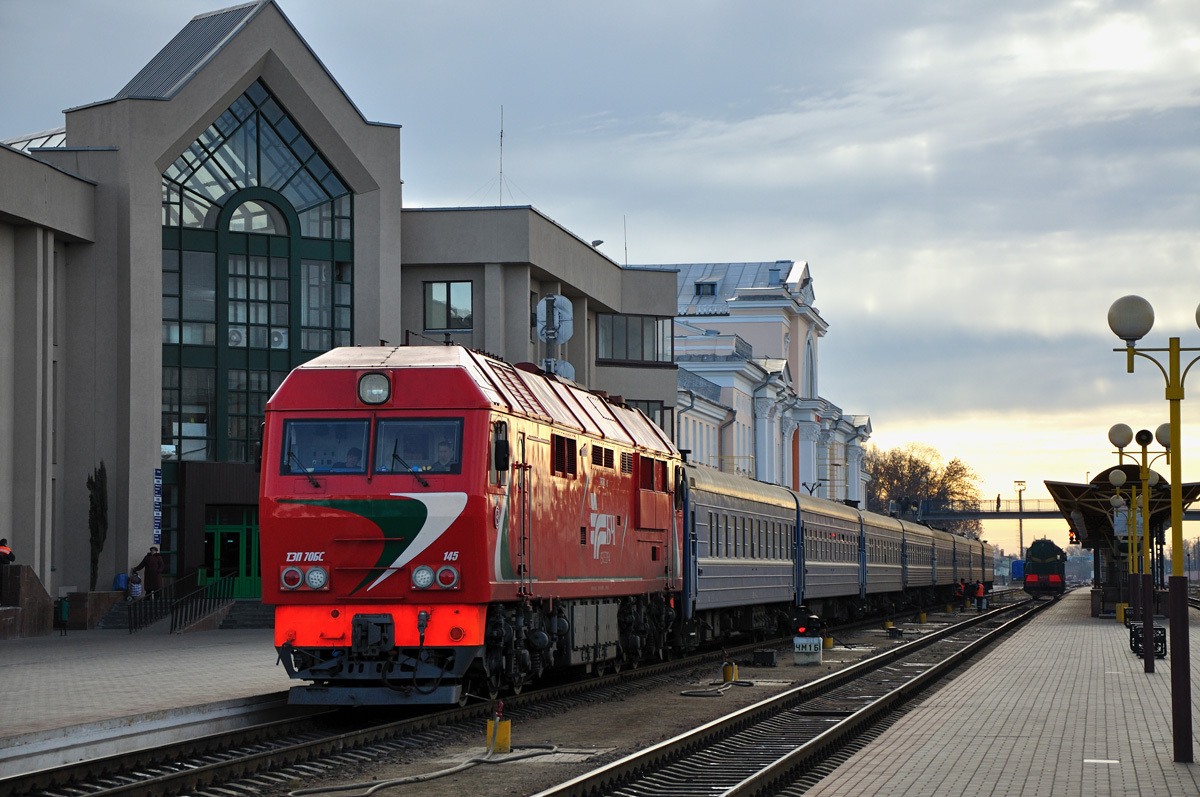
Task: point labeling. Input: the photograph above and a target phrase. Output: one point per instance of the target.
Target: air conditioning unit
(237, 337)
(279, 338)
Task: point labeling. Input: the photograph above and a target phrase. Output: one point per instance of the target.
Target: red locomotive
(437, 524)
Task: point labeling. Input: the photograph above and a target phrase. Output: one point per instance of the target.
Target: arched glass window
(260, 217)
(257, 275)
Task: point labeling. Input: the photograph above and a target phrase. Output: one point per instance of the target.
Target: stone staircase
(116, 618)
(249, 614)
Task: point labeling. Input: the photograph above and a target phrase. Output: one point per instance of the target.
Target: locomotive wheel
(598, 669)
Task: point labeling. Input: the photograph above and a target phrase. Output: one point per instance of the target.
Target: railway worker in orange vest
(979, 596)
(959, 593)
(6, 555)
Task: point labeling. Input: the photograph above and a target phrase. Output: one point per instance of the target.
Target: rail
(202, 602)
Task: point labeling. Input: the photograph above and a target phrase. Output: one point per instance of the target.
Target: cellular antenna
(501, 156)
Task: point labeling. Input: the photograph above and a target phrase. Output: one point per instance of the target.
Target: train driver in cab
(445, 458)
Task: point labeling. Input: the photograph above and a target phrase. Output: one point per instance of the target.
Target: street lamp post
(1121, 436)
(1131, 318)
(1117, 479)
(1019, 486)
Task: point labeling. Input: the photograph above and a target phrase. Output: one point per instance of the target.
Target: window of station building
(448, 306)
(634, 339)
(654, 410)
(188, 411)
(257, 269)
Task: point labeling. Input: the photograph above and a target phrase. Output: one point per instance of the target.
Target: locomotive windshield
(419, 444)
(324, 446)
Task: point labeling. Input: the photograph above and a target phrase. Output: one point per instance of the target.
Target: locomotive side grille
(608, 458)
(564, 455)
(626, 462)
(597, 455)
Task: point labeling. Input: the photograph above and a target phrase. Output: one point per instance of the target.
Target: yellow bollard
(1121, 612)
(887, 623)
(729, 672)
(921, 617)
(827, 643)
(949, 609)
(499, 739)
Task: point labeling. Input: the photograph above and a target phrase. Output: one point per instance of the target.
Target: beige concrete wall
(113, 339)
(8, 377)
(32, 193)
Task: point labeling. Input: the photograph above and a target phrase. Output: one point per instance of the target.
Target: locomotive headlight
(374, 388)
(422, 577)
(291, 577)
(316, 578)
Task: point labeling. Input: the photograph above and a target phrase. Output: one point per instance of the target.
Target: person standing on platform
(979, 596)
(7, 557)
(154, 566)
(958, 593)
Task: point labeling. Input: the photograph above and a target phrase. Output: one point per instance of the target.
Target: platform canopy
(1089, 511)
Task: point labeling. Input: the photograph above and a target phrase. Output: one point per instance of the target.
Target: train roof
(742, 487)
(519, 390)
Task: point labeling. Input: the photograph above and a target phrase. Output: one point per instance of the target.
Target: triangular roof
(200, 41)
(187, 53)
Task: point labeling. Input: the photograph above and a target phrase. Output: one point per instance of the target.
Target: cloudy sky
(972, 183)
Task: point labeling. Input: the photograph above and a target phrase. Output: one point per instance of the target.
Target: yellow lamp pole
(1121, 436)
(1117, 479)
(1131, 318)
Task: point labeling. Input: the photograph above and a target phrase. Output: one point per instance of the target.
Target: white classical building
(746, 341)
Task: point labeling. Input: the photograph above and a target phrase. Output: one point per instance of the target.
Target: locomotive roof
(537, 395)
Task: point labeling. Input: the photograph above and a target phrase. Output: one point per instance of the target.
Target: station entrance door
(231, 548)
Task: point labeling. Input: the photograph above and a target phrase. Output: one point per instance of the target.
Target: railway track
(766, 748)
(267, 756)
(273, 755)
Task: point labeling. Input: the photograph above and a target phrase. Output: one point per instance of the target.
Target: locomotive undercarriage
(521, 643)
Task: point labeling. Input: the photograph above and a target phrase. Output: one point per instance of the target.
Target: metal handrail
(151, 609)
(202, 602)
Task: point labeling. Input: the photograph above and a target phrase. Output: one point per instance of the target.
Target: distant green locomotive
(1045, 569)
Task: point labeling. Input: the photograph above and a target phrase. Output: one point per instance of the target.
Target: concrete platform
(88, 676)
(1061, 709)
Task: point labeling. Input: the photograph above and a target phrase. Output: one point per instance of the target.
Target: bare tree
(902, 477)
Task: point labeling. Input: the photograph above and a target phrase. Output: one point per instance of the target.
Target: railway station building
(747, 337)
(168, 254)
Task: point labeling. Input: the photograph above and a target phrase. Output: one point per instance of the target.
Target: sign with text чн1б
(806, 650)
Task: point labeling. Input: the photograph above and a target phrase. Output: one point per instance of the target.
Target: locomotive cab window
(325, 446)
(425, 445)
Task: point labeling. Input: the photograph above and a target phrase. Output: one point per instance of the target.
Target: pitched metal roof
(188, 52)
(726, 279)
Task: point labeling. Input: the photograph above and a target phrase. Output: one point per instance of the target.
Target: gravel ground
(592, 735)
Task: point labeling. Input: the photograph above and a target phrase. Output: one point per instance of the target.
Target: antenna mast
(625, 228)
(501, 156)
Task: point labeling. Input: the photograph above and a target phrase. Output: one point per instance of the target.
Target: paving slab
(88, 676)
(1060, 709)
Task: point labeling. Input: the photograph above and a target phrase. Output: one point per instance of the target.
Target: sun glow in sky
(972, 183)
